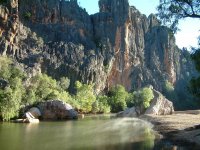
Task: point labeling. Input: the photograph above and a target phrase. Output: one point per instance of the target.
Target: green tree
(42, 87)
(171, 11)
(11, 96)
(85, 96)
(194, 86)
(64, 83)
(101, 105)
(118, 96)
(169, 92)
(143, 97)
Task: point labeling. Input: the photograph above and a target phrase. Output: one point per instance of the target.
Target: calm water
(91, 133)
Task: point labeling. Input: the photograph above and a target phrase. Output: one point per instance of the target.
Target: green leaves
(85, 96)
(143, 97)
(118, 96)
(171, 11)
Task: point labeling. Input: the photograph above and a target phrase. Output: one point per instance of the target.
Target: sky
(189, 28)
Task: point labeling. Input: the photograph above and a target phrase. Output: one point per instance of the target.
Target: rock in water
(160, 105)
(129, 112)
(57, 110)
(34, 112)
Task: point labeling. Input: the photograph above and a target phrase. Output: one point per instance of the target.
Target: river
(91, 133)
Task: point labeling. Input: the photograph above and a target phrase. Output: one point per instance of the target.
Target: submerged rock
(57, 110)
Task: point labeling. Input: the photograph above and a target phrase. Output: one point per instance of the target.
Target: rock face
(118, 45)
(160, 105)
(56, 110)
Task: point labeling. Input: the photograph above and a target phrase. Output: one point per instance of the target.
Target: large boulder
(57, 110)
(160, 105)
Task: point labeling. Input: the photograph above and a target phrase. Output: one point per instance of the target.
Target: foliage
(143, 97)
(171, 11)
(130, 100)
(101, 105)
(169, 92)
(42, 88)
(3, 1)
(194, 86)
(85, 96)
(118, 96)
(64, 83)
(11, 96)
(27, 15)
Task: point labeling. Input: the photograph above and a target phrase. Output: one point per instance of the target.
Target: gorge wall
(118, 45)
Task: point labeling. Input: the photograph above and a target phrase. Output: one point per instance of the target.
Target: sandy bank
(182, 126)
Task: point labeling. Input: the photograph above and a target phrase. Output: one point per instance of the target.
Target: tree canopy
(171, 11)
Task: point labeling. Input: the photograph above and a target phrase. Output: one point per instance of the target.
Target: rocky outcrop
(118, 45)
(160, 105)
(56, 110)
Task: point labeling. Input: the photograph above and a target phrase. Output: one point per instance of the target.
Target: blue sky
(189, 28)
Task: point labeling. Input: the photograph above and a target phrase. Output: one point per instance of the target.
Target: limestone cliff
(118, 45)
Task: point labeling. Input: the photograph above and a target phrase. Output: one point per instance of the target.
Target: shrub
(64, 83)
(43, 87)
(84, 96)
(169, 92)
(101, 105)
(11, 96)
(27, 15)
(143, 97)
(118, 96)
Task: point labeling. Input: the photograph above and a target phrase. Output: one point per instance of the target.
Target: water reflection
(99, 133)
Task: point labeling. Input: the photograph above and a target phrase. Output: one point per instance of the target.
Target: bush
(84, 96)
(101, 105)
(27, 15)
(143, 97)
(43, 87)
(169, 92)
(118, 96)
(64, 83)
(11, 96)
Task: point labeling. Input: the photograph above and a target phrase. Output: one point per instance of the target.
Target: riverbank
(180, 127)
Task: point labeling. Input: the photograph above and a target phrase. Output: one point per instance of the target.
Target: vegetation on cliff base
(21, 91)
